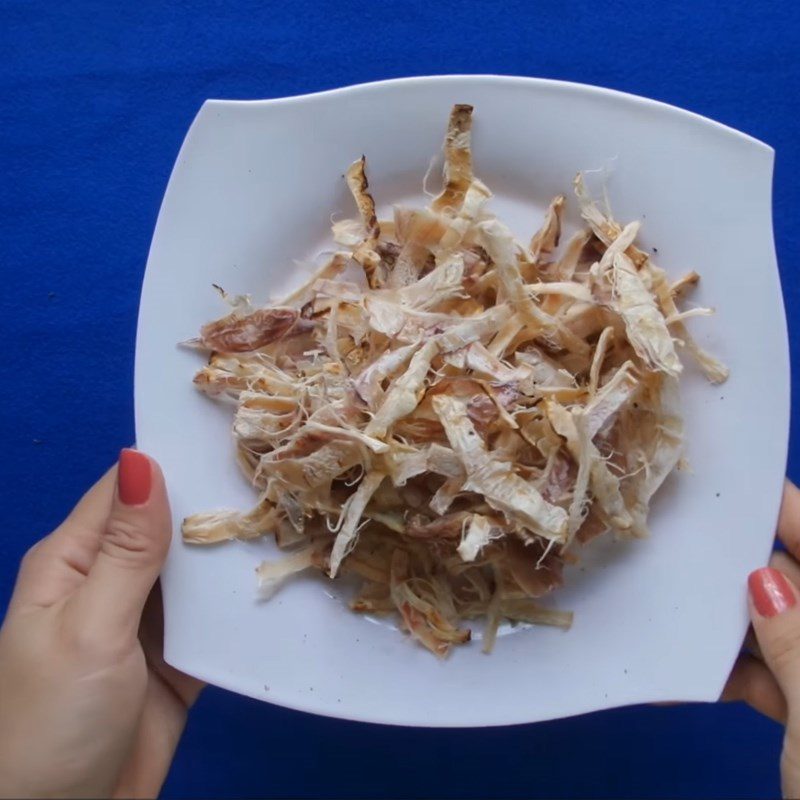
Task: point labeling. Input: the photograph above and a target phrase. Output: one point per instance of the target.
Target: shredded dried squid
(451, 429)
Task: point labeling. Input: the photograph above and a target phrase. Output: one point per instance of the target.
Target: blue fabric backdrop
(95, 98)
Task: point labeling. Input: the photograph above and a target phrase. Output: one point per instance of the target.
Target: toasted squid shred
(546, 239)
(592, 470)
(368, 382)
(328, 271)
(658, 441)
(446, 415)
(604, 227)
(600, 352)
(353, 509)
(272, 574)
(404, 463)
(685, 283)
(226, 524)
(564, 269)
(238, 333)
(478, 533)
(645, 325)
(606, 402)
(445, 495)
(443, 283)
(458, 160)
(714, 370)
(404, 396)
(419, 604)
(496, 480)
(365, 252)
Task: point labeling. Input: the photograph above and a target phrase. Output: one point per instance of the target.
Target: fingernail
(771, 592)
(133, 477)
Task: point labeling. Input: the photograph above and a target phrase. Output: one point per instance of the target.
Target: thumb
(776, 622)
(132, 549)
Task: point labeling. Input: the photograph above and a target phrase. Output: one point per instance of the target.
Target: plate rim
(577, 87)
(612, 95)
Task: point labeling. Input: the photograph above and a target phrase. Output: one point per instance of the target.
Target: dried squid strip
(351, 516)
(449, 426)
(366, 253)
(458, 160)
(226, 524)
(503, 489)
(605, 485)
(242, 334)
(546, 239)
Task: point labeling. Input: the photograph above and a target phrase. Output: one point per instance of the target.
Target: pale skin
(767, 673)
(88, 708)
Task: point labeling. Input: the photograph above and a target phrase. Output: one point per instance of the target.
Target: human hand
(88, 707)
(768, 677)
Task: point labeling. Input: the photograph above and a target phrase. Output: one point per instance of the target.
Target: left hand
(88, 708)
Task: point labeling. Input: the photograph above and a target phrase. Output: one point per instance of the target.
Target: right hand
(768, 676)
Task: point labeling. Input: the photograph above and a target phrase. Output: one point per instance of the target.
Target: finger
(132, 550)
(784, 563)
(775, 614)
(751, 682)
(58, 563)
(791, 569)
(789, 519)
(151, 635)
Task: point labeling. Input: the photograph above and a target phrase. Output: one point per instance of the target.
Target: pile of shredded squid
(449, 414)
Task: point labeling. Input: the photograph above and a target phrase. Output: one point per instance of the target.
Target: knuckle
(86, 640)
(91, 646)
(784, 649)
(130, 540)
(83, 639)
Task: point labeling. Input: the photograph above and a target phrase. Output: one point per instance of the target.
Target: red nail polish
(134, 477)
(771, 592)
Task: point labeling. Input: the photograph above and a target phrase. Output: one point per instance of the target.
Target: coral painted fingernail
(771, 592)
(134, 477)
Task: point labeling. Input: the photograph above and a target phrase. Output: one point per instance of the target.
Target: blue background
(95, 99)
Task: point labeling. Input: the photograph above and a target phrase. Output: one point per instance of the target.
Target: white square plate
(253, 189)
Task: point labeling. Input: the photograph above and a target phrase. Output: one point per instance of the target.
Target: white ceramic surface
(253, 189)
